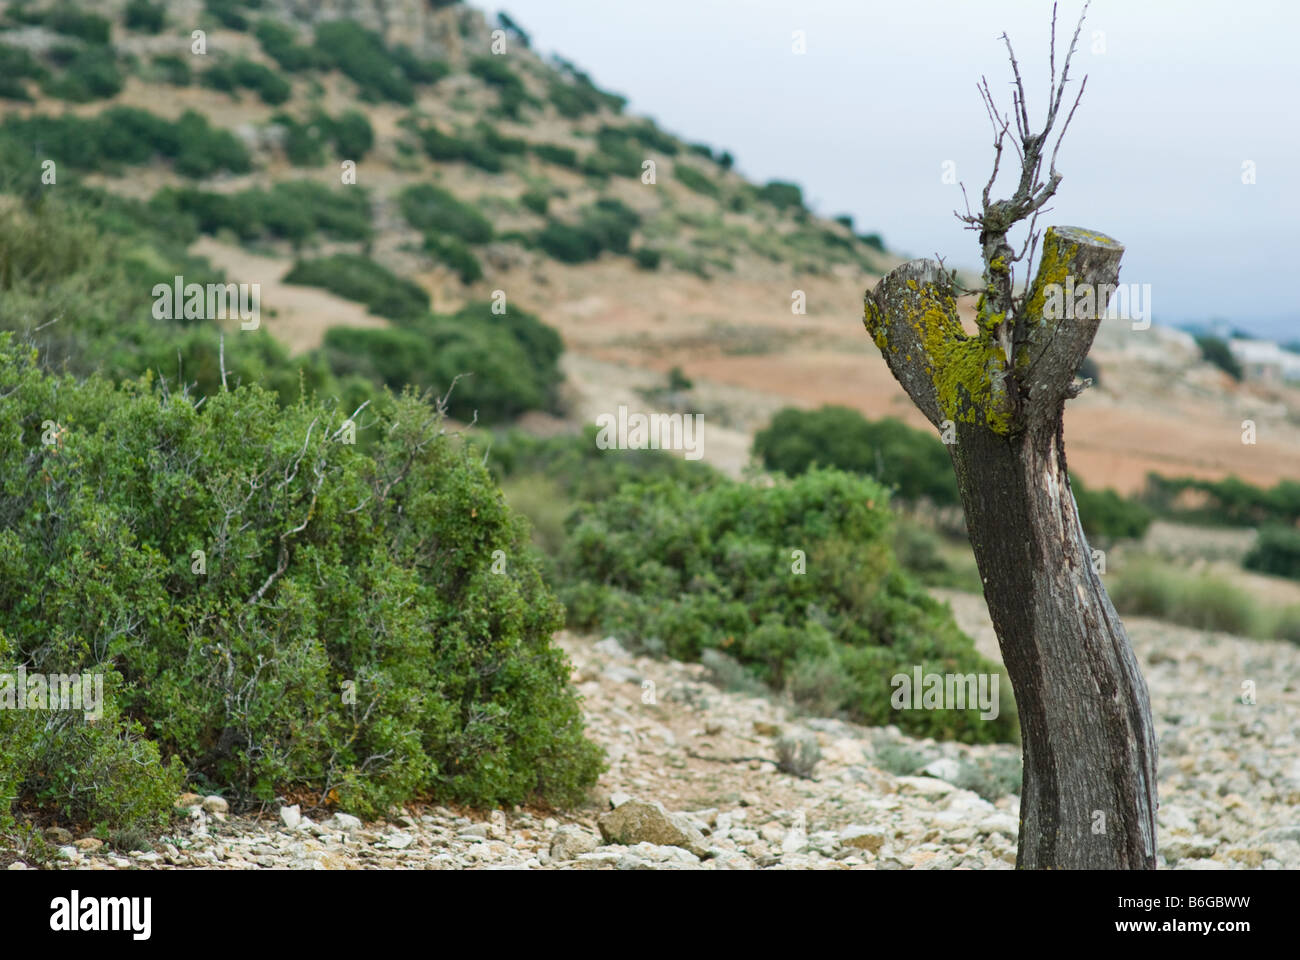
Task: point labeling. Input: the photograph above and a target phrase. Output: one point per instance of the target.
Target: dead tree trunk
(1089, 794)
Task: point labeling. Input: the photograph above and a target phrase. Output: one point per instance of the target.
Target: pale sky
(1181, 94)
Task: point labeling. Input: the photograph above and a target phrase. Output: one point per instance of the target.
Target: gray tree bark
(1089, 793)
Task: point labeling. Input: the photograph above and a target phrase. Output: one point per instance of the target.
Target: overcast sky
(1181, 94)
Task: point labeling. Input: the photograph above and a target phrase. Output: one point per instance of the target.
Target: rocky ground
(703, 777)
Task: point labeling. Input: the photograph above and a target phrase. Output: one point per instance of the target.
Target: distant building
(1265, 360)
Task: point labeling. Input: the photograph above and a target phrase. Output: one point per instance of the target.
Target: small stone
(571, 841)
(186, 800)
(862, 838)
(610, 647)
(765, 728)
(945, 768)
(58, 836)
(640, 821)
(291, 816)
(17, 865)
(617, 800)
(345, 822)
(215, 804)
(69, 853)
(89, 844)
(474, 830)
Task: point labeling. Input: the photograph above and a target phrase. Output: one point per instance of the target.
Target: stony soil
(694, 783)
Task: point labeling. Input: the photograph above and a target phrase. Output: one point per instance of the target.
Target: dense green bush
(1216, 351)
(145, 16)
(508, 364)
(781, 194)
(280, 42)
(681, 572)
(574, 94)
(17, 64)
(88, 73)
(1277, 551)
(472, 150)
(126, 135)
(560, 156)
(359, 278)
(430, 208)
(537, 201)
(695, 180)
(1204, 602)
(608, 224)
(294, 210)
(493, 71)
(913, 462)
(65, 18)
(173, 70)
(647, 258)
(617, 152)
(229, 75)
(370, 654)
(1107, 515)
(1230, 501)
(455, 254)
(380, 73)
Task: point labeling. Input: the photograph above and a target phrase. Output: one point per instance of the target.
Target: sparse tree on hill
(1089, 795)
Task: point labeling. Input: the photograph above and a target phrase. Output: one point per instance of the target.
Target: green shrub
(647, 258)
(280, 43)
(68, 20)
(715, 569)
(126, 135)
(574, 95)
(304, 142)
(695, 180)
(455, 254)
(228, 76)
(429, 208)
(16, 64)
(1230, 501)
(781, 194)
(511, 92)
(89, 73)
(145, 16)
(359, 278)
(914, 462)
(361, 55)
(369, 657)
(537, 201)
(560, 156)
(293, 210)
(1203, 602)
(228, 13)
(874, 241)
(173, 70)
(352, 135)
(507, 364)
(1217, 352)
(1276, 551)
(1107, 515)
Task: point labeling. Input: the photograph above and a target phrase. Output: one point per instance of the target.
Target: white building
(1265, 360)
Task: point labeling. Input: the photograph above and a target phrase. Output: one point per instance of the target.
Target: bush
(359, 278)
(537, 201)
(293, 210)
(511, 92)
(1202, 602)
(89, 73)
(782, 195)
(126, 135)
(714, 569)
(914, 462)
(508, 364)
(1276, 551)
(68, 20)
(648, 258)
(430, 208)
(574, 95)
(228, 76)
(874, 241)
(15, 65)
(1217, 352)
(560, 156)
(244, 672)
(145, 16)
(280, 43)
(352, 135)
(361, 55)
(173, 70)
(695, 180)
(1107, 515)
(1230, 501)
(455, 254)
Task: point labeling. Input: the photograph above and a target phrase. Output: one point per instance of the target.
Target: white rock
(610, 647)
(291, 816)
(945, 768)
(215, 804)
(345, 822)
